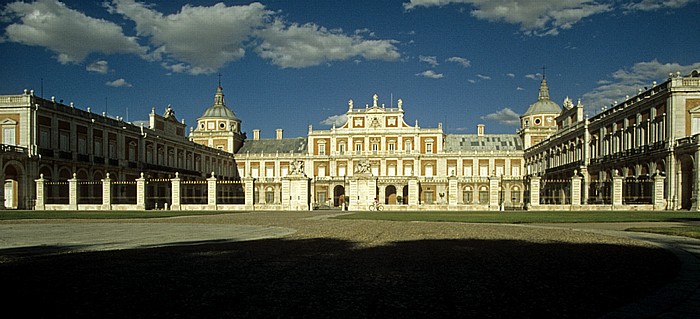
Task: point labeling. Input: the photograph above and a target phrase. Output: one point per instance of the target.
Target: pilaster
(534, 192)
(658, 199)
(576, 189)
(107, 193)
(40, 199)
(175, 192)
(141, 193)
(211, 192)
(494, 191)
(73, 193)
(617, 189)
(413, 193)
(452, 191)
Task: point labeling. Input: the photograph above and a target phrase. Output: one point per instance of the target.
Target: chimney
(256, 134)
(480, 129)
(279, 133)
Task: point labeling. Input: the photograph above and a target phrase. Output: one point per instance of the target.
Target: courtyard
(312, 264)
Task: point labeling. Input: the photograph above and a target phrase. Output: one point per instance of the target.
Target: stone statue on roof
(375, 98)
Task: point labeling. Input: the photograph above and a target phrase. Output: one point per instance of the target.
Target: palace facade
(638, 154)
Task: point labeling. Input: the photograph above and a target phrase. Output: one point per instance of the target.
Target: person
(376, 202)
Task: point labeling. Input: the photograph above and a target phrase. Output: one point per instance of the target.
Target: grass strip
(523, 217)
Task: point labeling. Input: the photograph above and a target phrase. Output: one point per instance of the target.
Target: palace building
(638, 154)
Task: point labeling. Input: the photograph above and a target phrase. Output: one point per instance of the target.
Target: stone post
(452, 191)
(295, 192)
(576, 189)
(413, 193)
(141, 193)
(494, 192)
(73, 193)
(211, 192)
(617, 189)
(40, 199)
(657, 194)
(175, 192)
(107, 193)
(534, 192)
(249, 192)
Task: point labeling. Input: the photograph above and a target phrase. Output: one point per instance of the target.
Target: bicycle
(376, 206)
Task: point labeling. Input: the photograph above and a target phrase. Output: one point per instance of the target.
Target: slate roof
(271, 146)
(487, 142)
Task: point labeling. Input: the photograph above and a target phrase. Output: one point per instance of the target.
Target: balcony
(13, 149)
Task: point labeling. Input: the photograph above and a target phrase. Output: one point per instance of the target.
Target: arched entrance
(390, 195)
(13, 180)
(338, 195)
(686, 188)
(405, 195)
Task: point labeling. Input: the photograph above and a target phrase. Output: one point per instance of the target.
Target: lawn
(523, 217)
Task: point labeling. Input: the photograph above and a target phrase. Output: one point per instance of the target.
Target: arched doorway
(390, 195)
(338, 195)
(13, 176)
(686, 188)
(405, 195)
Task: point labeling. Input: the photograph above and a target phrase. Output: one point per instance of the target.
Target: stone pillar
(585, 186)
(657, 194)
(413, 193)
(107, 193)
(452, 191)
(141, 193)
(494, 192)
(617, 189)
(73, 193)
(249, 192)
(576, 189)
(175, 192)
(295, 192)
(211, 192)
(534, 192)
(363, 190)
(40, 199)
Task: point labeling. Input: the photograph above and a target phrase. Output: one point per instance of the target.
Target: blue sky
(289, 64)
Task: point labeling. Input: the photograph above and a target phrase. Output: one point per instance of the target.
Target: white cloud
(206, 38)
(119, 83)
(429, 60)
(297, 46)
(483, 77)
(535, 76)
(519, 89)
(510, 75)
(535, 17)
(69, 33)
(506, 116)
(464, 62)
(653, 5)
(430, 74)
(472, 81)
(628, 82)
(99, 66)
(337, 120)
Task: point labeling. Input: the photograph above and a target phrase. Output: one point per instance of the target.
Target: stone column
(576, 189)
(211, 192)
(617, 189)
(175, 192)
(534, 192)
(141, 193)
(73, 193)
(40, 199)
(657, 194)
(249, 192)
(494, 192)
(413, 193)
(452, 191)
(107, 193)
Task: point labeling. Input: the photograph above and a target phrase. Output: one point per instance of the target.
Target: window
(321, 171)
(82, 144)
(468, 170)
(408, 146)
(391, 170)
(429, 148)
(515, 195)
(8, 135)
(64, 141)
(499, 170)
(515, 171)
(375, 148)
(222, 125)
(321, 148)
(341, 170)
(284, 170)
(132, 152)
(269, 171)
(483, 195)
(429, 197)
(467, 195)
(695, 125)
(392, 148)
(428, 170)
(44, 137)
(269, 195)
(484, 170)
(254, 172)
(341, 148)
(408, 170)
(358, 148)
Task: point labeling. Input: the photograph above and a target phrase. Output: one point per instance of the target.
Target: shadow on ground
(335, 278)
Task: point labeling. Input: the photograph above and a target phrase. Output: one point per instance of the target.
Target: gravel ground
(342, 268)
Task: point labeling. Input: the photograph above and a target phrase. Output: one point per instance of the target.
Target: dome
(219, 110)
(543, 105)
